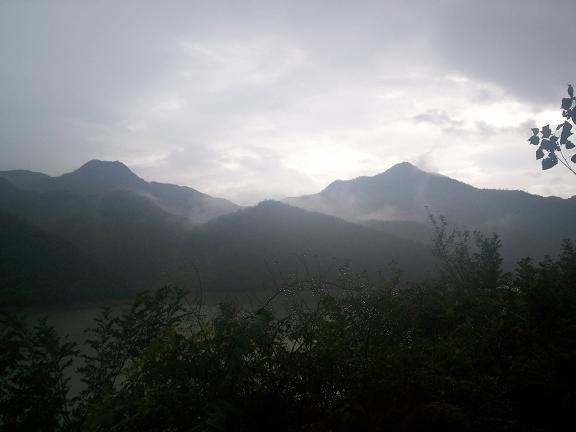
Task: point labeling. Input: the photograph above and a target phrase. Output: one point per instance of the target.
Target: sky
(255, 99)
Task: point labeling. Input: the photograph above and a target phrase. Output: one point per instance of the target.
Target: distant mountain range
(139, 235)
(102, 231)
(400, 200)
(101, 177)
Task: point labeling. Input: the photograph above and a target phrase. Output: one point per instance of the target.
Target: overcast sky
(254, 99)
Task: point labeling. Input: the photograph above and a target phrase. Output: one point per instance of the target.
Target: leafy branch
(551, 144)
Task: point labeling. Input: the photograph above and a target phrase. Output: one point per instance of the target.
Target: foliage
(551, 144)
(33, 387)
(475, 349)
(468, 259)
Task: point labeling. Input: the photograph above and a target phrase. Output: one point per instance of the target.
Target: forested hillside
(128, 236)
(37, 268)
(273, 241)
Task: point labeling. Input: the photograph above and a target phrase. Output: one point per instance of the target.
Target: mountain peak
(403, 167)
(107, 171)
(98, 176)
(399, 170)
(96, 166)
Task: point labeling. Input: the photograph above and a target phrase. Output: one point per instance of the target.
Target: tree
(551, 144)
(33, 378)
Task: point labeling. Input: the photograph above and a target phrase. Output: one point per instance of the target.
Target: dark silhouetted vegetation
(33, 388)
(473, 349)
(552, 144)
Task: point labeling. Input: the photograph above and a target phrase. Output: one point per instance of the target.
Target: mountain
(127, 234)
(97, 178)
(131, 228)
(246, 250)
(400, 193)
(103, 229)
(529, 224)
(137, 232)
(37, 267)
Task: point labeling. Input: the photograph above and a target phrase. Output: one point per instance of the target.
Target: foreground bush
(475, 349)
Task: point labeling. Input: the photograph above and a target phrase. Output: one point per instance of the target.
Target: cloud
(438, 118)
(523, 46)
(270, 98)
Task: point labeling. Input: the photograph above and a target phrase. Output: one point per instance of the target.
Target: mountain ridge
(272, 238)
(98, 177)
(145, 234)
(404, 193)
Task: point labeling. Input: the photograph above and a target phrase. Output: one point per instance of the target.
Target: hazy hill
(38, 268)
(127, 234)
(145, 234)
(102, 177)
(100, 210)
(133, 229)
(529, 224)
(245, 250)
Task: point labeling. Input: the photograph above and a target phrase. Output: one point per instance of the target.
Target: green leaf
(570, 90)
(539, 154)
(566, 103)
(554, 144)
(566, 132)
(548, 163)
(534, 140)
(535, 131)
(546, 131)
(573, 158)
(569, 144)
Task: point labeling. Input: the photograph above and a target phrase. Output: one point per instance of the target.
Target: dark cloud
(524, 46)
